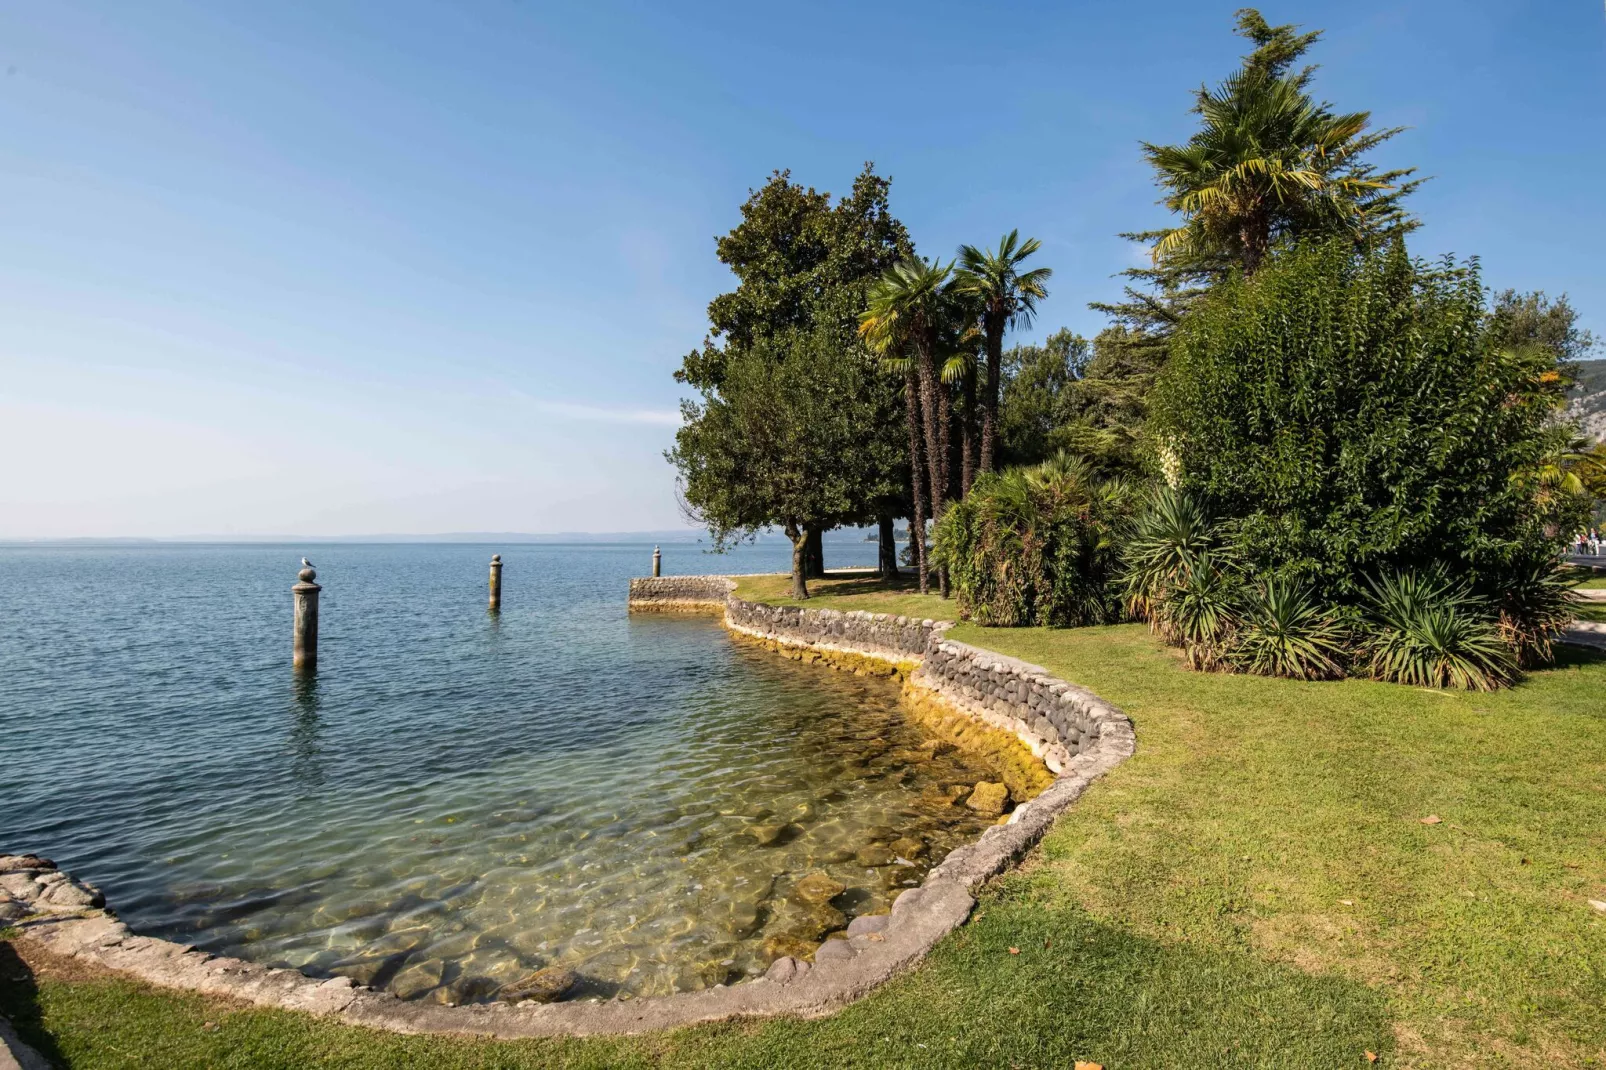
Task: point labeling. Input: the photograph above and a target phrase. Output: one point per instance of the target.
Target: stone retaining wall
(680, 593)
(898, 640)
(1077, 734)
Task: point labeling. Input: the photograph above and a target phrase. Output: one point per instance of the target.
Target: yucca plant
(1172, 531)
(1430, 632)
(1283, 632)
(1536, 603)
(1199, 611)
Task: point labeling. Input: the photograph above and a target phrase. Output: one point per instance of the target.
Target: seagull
(307, 564)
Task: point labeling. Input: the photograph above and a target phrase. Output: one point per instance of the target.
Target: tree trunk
(989, 398)
(814, 561)
(945, 470)
(936, 436)
(1254, 234)
(967, 438)
(800, 539)
(917, 462)
(887, 550)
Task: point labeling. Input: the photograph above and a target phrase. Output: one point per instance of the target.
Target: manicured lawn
(850, 591)
(1254, 888)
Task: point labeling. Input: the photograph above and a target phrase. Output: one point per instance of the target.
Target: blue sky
(340, 268)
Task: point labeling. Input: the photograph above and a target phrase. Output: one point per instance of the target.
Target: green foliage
(1351, 411)
(1066, 395)
(1172, 531)
(1283, 632)
(1199, 611)
(783, 441)
(1535, 602)
(1004, 296)
(1425, 630)
(793, 427)
(1036, 546)
(802, 265)
(1268, 164)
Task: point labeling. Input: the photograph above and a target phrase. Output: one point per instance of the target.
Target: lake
(456, 798)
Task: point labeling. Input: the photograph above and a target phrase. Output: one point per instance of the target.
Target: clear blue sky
(341, 268)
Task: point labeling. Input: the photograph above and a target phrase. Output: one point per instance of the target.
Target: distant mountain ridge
(1588, 402)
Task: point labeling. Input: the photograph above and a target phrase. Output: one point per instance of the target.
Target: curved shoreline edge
(1076, 734)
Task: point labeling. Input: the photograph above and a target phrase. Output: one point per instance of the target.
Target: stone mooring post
(657, 561)
(496, 582)
(305, 636)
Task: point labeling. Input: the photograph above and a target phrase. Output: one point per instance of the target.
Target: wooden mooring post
(496, 582)
(305, 636)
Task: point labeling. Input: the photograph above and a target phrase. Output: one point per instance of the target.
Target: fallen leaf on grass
(1598, 905)
(1080, 1065)
(1347, 902)
(1432, 819)
(1371, 1056)
(1014, 951)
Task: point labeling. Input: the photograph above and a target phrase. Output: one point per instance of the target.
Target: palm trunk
(967, 436)
(917, 522)
(989, 404)
(887, 548)
(945, 469)
(931, 416)
(800, 539)
(814, 555)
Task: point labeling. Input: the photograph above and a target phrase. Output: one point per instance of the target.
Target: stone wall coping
(69, 918)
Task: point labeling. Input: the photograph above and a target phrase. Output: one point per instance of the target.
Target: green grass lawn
(1255, 887)
(851, 591)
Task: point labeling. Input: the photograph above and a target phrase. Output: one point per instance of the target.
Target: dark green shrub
(1283, 632)
(1357, 412)
(1426, 630)
(1036, 546)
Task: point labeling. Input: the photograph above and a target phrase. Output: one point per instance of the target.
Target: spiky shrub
(1199, 610)
(1424, 630)
(1036, 546)
(1536, 603)
(1284, 632)
(1172, 530)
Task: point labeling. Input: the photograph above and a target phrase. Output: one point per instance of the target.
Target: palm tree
(1007, 297)
(1270, 161)
(903, 323)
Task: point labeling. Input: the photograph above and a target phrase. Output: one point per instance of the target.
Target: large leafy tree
(803, 267)
(1269, 163)
(1005, 296)
(783, 442)
(1354, 411)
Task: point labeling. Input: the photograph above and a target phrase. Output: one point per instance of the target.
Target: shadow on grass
(1072, 988)
(19, 1002)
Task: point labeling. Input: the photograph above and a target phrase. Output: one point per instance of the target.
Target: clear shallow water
(456, 799)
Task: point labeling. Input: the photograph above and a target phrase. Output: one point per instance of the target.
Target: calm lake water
(455, 799)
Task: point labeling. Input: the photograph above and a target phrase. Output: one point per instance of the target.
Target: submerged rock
(787, 945)
(542, 986)
(772, 835)
(908, 847)
(988, 797)
(418, 978)
(874, 855)
(818, 888)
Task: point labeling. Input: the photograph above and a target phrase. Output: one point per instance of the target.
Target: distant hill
(1589, 399)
